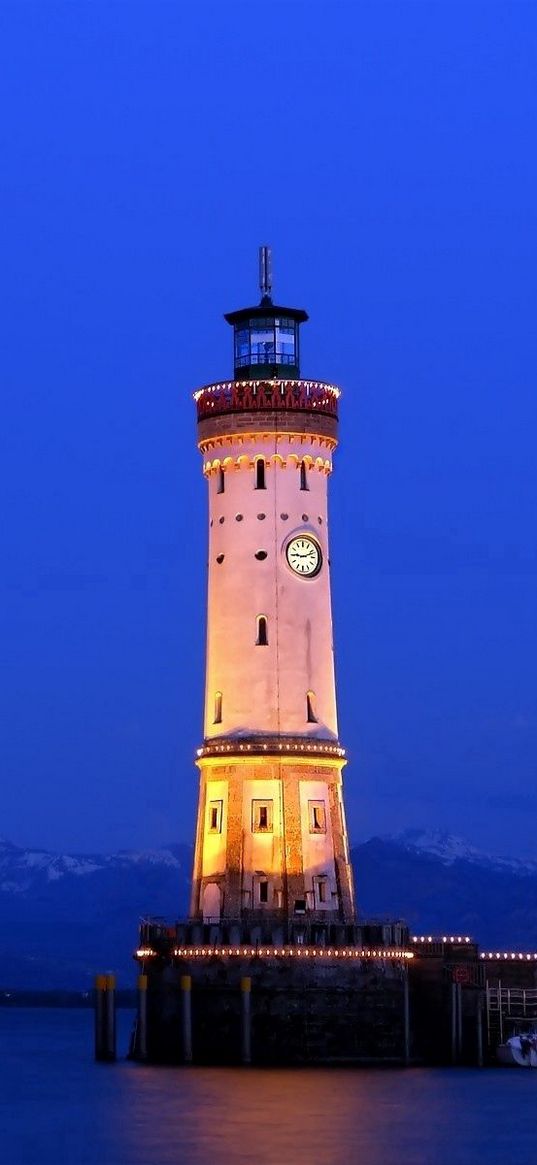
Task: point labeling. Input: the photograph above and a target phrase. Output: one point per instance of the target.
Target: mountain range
(64, 917)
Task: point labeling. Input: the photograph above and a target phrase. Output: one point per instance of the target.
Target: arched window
(217, 708)
(303, 476)
(262, 631)
(260, 473)
(310, 708)
(220, 481)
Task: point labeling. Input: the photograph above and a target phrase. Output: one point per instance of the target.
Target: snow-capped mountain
(64, 917)
(20, 867)
(449, 849)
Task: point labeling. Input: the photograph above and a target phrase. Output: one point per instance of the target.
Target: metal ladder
(508, 1007)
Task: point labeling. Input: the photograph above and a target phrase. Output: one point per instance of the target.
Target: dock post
(105, 1017)
(453, 1023)
(459, 1021)
(100, 1017)
(480, 1030)
(406, 1007)
(246, 1017)
(186, 1017)
(141, 1050)
(110, 1005)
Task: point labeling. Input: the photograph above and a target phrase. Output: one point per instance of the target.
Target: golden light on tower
(271, 842)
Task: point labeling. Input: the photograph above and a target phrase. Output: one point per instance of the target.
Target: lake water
(57, 1107)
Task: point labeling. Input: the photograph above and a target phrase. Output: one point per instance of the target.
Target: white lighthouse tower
(271, 844)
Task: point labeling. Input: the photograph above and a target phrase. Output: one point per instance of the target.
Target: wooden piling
(105, 1017)
(246, 1021)
(142, 1018)
(406, 1016)
(100, 1017)
(110, 1004)
(459, 1021)
(480, 1031)
(453, 1023)
(186, 1017)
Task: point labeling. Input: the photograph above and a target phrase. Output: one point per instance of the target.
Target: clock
(304, 556)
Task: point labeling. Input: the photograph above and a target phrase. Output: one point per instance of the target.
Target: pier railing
(509, 1008)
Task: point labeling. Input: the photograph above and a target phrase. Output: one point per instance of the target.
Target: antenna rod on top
(265, 271)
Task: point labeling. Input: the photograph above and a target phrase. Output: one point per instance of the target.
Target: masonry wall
(299, 1014)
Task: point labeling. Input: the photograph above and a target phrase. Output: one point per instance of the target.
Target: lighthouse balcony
(272, 936)
(220, 746)
(267, 395)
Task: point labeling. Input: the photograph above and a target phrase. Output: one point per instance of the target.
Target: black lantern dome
(266, 337)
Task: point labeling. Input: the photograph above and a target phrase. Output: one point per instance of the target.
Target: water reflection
(326, 1117)
(59, 1108)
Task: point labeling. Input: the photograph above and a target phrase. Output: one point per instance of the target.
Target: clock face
(304, 555)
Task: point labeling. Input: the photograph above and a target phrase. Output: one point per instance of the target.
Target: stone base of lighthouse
(293, 1005)
(271, 842)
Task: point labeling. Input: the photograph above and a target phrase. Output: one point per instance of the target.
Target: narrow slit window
(220, 481)
(303, 476)
(215, 816)
(262, 816)
(321, 890)
(260, 473)
(310, 708)
(217, 708)
(262, 631)
(263, 891)
(317, 816)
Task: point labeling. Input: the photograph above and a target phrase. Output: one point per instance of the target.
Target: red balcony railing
(237, 396)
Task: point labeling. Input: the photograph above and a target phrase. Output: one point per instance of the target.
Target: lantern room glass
(266, 341)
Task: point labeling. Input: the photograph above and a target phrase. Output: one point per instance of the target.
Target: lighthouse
(271, 841)
(272, 964)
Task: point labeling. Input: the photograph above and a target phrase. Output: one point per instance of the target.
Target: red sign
(462, 974)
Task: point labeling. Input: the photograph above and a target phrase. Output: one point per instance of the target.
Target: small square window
(262, 816)
(215, 817)
(317, 816)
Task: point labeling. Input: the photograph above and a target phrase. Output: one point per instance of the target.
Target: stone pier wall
(301, 1011)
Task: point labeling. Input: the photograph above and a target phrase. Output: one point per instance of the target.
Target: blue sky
(387, 152)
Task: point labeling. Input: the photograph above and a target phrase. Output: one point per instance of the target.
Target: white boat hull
(512, 1054)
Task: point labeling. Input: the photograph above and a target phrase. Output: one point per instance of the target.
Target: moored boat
(520, 1051)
